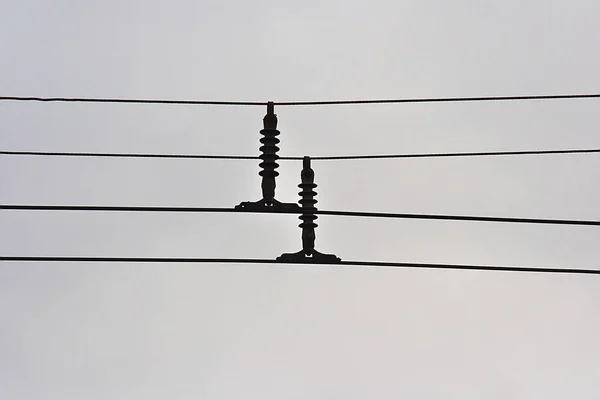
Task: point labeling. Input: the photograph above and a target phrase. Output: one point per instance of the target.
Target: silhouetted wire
(134, 101)
(301, 103)
(439, 99)
(24, 207)
(309, 262)
(355, 157)
(441, 155)
(127, 155)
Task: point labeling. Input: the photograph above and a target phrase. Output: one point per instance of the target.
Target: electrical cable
(442, 155)
(308, 262)
(354, 157)
(126, 155)
(322, 212)
(24, 207)
(133, 101)
(301, 103)
(439, 99)
(459, 218)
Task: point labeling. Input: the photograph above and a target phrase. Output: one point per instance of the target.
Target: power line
(439, 99)
(350, 157)
(119, 208)
(460, 218)
(320, 212)
(471, 154)
(308, 261)
(128, 155)
(301, 103)
(134, 101)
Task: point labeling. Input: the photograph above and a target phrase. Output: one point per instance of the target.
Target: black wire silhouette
(31, 207)
(301, 103)
(348, 157)
(166, 260)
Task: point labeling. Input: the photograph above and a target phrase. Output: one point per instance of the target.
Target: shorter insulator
(308, 225)
(307, 203)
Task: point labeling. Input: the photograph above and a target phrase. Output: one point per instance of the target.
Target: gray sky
(149, 332)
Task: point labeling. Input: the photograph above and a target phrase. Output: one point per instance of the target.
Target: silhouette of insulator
(269, 155)
(308, 225)
(307, 202)
(269, 165)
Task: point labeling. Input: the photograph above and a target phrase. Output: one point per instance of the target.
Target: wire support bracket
(308, 254)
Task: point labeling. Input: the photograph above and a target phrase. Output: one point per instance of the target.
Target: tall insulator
(269, 155)
(268, 167)
(308, 225)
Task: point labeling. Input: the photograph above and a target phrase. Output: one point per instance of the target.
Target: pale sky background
(266, 332)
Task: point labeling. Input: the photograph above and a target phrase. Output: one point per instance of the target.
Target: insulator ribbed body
(307, 202)
(269, 151)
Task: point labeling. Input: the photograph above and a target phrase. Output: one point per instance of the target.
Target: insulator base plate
(262, 205)
(316, 258)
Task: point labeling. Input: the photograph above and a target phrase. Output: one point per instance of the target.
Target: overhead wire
(439, 99)
(27, 207)
(295, 158)
(168, 260)
(131, 101)
(468, 154)
(127, 155)
(322, 212)
(301, 103)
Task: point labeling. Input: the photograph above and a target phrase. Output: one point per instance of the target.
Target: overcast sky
(266, 332)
